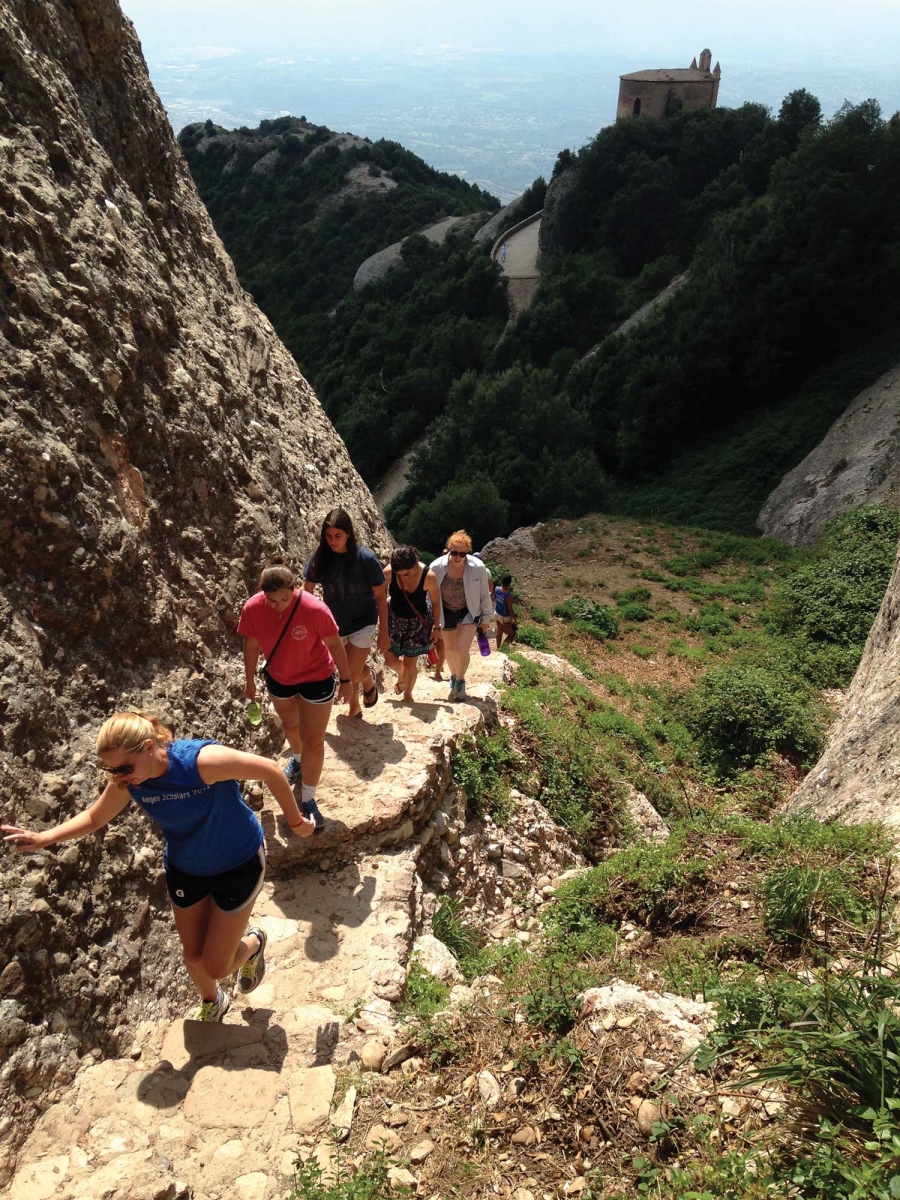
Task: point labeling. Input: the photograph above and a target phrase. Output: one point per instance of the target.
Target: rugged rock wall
(157, 440)
(858, 776)
(857, 462)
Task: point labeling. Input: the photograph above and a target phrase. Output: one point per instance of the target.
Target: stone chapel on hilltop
(659, 93)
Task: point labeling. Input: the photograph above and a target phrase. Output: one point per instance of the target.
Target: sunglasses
(456, 553)
(124, 769)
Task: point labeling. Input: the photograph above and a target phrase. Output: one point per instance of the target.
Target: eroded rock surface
(157, 441)
(857, 462)
(856, 779)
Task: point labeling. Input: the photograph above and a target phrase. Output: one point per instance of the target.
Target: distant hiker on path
(214, 859)
(465, 604)
(300, 640)
(503, 253)
(413, 601)
(504, 612)
(354, 589)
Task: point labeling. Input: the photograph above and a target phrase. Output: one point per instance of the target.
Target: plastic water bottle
(483, 644)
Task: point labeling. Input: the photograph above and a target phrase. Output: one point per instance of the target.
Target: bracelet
(302, 821)
(343, 680)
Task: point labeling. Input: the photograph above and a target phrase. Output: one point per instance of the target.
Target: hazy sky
(731, 28)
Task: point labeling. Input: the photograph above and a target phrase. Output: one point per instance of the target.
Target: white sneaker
(213, 1010)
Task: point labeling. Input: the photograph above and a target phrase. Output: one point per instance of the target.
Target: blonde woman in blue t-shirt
(214, 857)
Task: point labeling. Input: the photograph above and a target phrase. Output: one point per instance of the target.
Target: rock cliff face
(857, 462)
(157, 441)
(858, 776)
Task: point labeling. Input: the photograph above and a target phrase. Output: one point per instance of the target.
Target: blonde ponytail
(129, 730)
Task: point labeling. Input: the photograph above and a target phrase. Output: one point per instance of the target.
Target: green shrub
(652, 883)
(424, 995)
(534, 636)
(343, 1180)
(738, 714)
(643, 651)
(485, 770)
(635, 612)
(465, 941)
(540, 616)
(713, 621)
(830, 604)
(598, 620)
(638, 595)
(798, 898)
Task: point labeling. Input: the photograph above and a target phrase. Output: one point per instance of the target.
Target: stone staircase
(220, 1112)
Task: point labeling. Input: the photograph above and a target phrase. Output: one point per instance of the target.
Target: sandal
(373, 692)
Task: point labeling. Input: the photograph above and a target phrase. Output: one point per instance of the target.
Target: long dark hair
(325, 560)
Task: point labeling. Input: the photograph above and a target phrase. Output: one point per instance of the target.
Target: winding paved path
(520, 266)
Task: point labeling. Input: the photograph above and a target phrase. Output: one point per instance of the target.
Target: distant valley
(495, 118)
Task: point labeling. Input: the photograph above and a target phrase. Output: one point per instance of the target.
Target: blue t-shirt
(347, 588)
(208, 827)
(501, 601)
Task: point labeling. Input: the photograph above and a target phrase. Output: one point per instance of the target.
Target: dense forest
(789, 227)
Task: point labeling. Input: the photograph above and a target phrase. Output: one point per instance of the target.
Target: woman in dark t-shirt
(353, 587)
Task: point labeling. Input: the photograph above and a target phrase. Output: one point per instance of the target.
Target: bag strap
(286, 627)
(415, 611)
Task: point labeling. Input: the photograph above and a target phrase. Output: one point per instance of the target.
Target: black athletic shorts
(318, 691)
(231, 890)
(454, 617)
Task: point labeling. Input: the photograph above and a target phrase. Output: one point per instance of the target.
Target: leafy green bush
(712, 621)
(830, 604)
(652, 883)
(798, 898)
(424, 995)
(343, 1180)
(637, 595)
(466, 941)
(635, 612)
(738, 714)
(534, 636)
(485, 769)
(599, 620)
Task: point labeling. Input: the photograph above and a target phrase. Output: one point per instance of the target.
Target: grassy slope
(738, 907)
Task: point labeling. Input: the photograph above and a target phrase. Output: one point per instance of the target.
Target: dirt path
(218, 1112)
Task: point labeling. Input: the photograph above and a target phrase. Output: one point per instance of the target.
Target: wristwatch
(343, 680)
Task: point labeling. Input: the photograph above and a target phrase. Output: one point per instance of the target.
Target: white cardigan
(475, 581)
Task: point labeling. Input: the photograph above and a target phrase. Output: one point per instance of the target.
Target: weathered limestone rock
(857, 462)
(434, 957)
(519, 544)
(856, 779)
(157, 440)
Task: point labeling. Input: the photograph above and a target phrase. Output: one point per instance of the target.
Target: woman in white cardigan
(465, 604)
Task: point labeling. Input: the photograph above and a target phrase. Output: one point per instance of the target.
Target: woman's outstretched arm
(108, 805)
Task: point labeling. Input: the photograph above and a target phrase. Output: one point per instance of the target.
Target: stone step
(384, 774)
(222, 1108)
(219, 1112)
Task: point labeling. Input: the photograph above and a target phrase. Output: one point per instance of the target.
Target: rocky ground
(219, 1112)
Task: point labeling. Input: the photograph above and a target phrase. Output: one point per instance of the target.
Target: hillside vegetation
(792, 234)
(699, 659)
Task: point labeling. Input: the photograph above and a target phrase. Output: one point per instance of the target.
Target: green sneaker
(214, 1010)
(251, 973)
